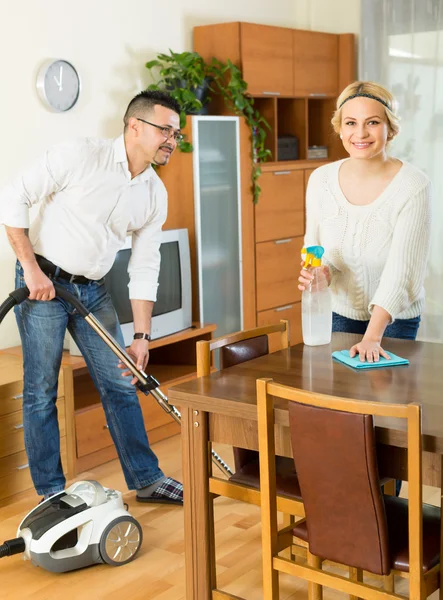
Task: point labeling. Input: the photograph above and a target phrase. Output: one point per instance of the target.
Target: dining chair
(348, 521)
(244, 483)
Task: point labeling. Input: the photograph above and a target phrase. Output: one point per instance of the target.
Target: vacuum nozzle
(11, 547)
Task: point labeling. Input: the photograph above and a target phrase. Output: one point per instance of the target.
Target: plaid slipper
(169, 492)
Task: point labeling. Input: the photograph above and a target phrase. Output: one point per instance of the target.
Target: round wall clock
(58, 85)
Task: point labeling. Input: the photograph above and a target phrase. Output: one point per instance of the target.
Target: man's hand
(39, 285)
(139, 352)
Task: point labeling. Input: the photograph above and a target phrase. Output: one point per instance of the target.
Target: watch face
(59, 85)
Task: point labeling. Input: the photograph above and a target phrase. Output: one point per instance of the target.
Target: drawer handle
(17, 397)
(105, 426)
(282, 172)
(18, 426)
(286, 241)
(271, 93)
(318, 95)
(287, 307)
(21, 467)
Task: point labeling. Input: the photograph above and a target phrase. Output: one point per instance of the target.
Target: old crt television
(173, 308)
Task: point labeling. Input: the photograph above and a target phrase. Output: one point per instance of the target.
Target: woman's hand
(306, 277)
(139, 352)
(369, 350)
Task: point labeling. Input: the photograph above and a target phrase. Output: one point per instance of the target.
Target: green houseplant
(189, 79)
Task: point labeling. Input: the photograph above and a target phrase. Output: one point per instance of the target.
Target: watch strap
(142, 336)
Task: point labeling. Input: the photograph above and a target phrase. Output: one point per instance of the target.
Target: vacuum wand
(146, 383)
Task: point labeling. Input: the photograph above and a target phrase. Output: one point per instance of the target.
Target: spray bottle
(316, 300)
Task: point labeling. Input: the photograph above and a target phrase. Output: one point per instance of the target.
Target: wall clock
(58, 85)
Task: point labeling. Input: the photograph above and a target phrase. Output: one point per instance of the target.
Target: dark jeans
(403, 329)
(42, 327)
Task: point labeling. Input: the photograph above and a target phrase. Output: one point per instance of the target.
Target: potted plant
(189, 79)
(185, 76)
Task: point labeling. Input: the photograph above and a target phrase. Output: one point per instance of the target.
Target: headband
(364, 95)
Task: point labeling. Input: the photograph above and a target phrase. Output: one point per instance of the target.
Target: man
(92, 193)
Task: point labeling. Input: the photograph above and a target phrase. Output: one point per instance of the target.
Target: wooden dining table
(222, 408)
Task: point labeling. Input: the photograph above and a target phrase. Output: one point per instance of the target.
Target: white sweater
(377, 253)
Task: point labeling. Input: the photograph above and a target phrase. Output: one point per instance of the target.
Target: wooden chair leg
(315, 591)
(388, 583)
(287, 521)
(355, 575)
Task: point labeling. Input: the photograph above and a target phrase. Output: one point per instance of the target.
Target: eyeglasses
(168, 132)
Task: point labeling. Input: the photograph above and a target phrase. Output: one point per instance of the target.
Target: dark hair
(145, 102)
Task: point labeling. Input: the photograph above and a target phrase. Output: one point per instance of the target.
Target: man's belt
(49, 268)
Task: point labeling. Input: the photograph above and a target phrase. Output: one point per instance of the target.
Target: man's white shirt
(88, 205)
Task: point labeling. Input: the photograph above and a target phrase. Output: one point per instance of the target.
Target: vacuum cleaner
(87, 523)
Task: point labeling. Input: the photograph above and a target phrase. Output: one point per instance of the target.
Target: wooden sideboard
(15, 476)
(86, 441)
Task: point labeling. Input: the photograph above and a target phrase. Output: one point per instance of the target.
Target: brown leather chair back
(234, 354)
(335, 459)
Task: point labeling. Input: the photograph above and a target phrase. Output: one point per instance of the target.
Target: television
(173, 308)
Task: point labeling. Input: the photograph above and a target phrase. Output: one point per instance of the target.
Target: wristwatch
(142, 336)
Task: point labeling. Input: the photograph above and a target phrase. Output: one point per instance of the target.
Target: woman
(371, 213)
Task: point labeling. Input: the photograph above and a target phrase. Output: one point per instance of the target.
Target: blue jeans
(42, 327)
(403, 329)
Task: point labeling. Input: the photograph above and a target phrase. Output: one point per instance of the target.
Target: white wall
(108, 41)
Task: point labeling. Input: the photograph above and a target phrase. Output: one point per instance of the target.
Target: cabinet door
(280, 209)
(315, 63)
(278, 268)
(266, 55)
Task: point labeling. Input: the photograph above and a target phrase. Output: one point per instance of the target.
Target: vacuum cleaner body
(82, 526)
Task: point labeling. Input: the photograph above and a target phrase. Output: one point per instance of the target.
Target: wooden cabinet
(266, 59)
(295, 77)
(315, 63)
(15, 476)
(263, 53)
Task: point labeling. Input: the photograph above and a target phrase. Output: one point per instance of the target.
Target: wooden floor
(158, 571)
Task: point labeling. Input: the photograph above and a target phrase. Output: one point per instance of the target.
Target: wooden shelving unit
(294, 77)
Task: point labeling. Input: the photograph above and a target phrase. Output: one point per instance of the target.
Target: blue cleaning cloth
(343, 357)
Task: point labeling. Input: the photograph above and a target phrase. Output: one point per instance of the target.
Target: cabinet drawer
(11, 394)
(12, 434)
(290, 312)
(15, 476)
(278, 269)
(280, 210)
(92, 430)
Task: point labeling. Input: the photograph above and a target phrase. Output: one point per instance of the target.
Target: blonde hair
(369, 89)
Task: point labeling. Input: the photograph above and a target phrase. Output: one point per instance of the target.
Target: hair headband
(364, 95)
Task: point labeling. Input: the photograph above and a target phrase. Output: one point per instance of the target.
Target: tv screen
(169, 293)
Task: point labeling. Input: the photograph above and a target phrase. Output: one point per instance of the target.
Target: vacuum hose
(146, 383)
(14, 546)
